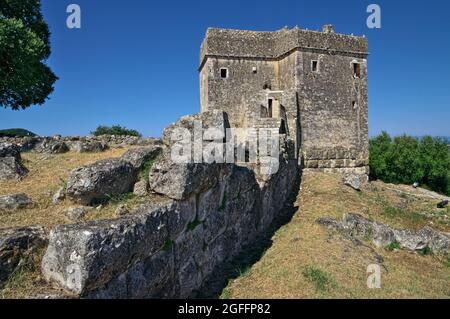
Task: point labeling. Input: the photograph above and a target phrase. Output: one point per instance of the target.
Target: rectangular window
(223, 73)
(356, 70)
(270, 108)
(315, 66)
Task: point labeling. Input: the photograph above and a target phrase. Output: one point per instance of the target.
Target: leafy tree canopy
(24, 46)
(115, 130)
(407, 160)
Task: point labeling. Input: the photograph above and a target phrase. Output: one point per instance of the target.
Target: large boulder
(139, 157)
(16, 246)
(100, 181)
(15, 202)
(85, 258)
(11, 167)
(107, 178)
(52, 146)
(88, 146)
(180, 181)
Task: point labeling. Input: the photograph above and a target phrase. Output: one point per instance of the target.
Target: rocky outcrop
(15, 202)
(138, 157)
(88, 146)
(16, 246)
(11, 167)
(52, 146)
(107, 178)
(170, 246)
(78, 143)
(383, 235)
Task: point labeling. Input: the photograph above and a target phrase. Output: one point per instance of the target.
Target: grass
(304, 256)
(47, 175)
(145, 172)
(121, 198)
(26, 281)
(393, 246)
(321, 279)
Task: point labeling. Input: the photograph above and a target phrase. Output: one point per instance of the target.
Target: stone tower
(311, 85)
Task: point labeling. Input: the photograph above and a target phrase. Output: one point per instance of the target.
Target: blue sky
(135, 62)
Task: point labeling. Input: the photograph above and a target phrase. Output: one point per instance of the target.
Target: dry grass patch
(47, 174)
(304, 257)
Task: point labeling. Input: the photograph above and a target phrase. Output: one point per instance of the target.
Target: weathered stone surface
(86, 257)
(98, 182)
(52, 146)
(76, 214)
(180, 181)
(15, 202)
(11, 167)
(214, 119)
(59, 196)
(165, 248)
(138, 157)
(141, 188)
(9, 150)
(88, 146)
(122, 210)
(382, 235)
(314, 94)
(355, 181)
(197, 218)
(16, 246)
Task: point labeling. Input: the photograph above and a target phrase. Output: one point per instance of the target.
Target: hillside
(306, 260)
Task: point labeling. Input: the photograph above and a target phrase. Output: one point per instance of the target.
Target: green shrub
(321, 279)
(393, 246)
(115, 130)
(425, 251)
(406, 160)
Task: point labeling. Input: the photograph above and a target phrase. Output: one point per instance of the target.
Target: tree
(406, 160)
(115, 130)
(25, 79)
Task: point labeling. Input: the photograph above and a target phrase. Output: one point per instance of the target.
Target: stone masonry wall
(199, 218)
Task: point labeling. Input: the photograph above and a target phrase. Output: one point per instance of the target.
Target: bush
(115, 130)
(406, 160)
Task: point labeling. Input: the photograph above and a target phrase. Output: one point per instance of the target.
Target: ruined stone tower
(311, 85)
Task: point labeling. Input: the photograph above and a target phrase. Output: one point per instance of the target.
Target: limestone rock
(382, 235)
(97, 182)
(138, 157)
(59, 196)
(82, 258)
(354, 181)
(89, 146)
(122, 210)
(16, 246)
(52, 146)
(9, 150)
(179, 181)
(141, 188)
(15, 202)
(76, 214)
(11, 167)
